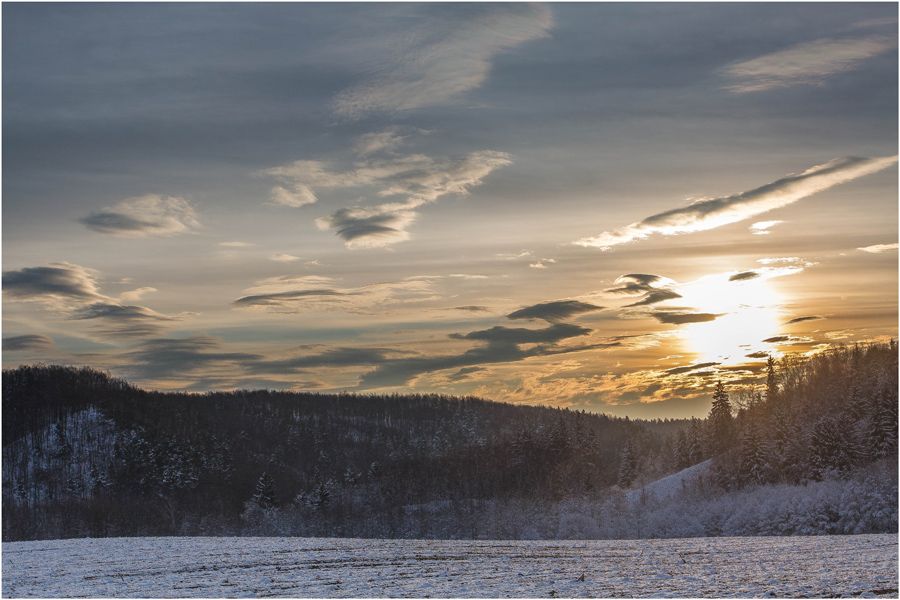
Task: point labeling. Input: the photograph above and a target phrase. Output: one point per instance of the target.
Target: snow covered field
(225, 567)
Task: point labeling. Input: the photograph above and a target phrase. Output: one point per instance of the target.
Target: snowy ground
(226, 567)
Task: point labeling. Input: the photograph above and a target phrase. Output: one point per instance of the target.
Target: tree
(771, 382)
(754, 465)
(720, 422)
(627, 466)
(264, 493)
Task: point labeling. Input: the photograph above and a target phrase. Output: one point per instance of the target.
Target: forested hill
(814, 444)
(86, 454)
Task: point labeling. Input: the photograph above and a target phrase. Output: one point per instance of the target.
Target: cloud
(55, 283)
(416, 178)
(296, 294)
(744, 276)
(709, 214)
(27, 343)
(879, 248)
(554, 311)
(653, 287)
(380, 141)
(804, 319)
(284, 258)
(499, 345)
(74, 291)
(689, 368)
(542, 263)
(164, 358)
(137, 294)
(758, 355)
(763, 227)
(331, 358)
(440, 56)
(472, 308)
(123, 320)
(236, 244)
(679, 318)
(777, 339)
(145, 216)
(808, 63)
(520, 335)
(514, 255)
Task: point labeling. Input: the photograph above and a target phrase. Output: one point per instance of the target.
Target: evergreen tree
(771, 382)
(720, 422)
(754, 462)
(627, 466)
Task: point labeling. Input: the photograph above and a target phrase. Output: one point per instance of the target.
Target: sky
(606, 207)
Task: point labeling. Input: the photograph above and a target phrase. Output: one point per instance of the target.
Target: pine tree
(720, 422)
(771, 382)
(264, 494)
(754, 462)
(627, 466)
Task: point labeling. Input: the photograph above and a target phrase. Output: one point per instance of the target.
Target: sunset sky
(605, 207)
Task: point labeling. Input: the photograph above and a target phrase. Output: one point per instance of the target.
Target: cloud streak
(704, 215)
(554, 311)
(27, 343)
(809, 63)
(442, 56)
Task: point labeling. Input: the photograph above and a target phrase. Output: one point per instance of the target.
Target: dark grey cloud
(653, 287)
(743, 276)
(56, 281)
(519, 335)
(655, 296)
(689, 368)
(145, 216)
(278, 299)
(123, 319)
(502, 345)
(335, 357)
(26, 343)
(804, 319)
(775, 339)
(554, 311)
(472, 308)
(164, 358)
(679, 318)
(758, 355)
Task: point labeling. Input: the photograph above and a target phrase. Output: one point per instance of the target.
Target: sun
(748, 312)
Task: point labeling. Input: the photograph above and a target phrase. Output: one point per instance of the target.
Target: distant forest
(85, 454)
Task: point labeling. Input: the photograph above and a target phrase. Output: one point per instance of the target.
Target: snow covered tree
(264, 493)
(754, 467)
(771, 382)
(720, 422)
(627, 466)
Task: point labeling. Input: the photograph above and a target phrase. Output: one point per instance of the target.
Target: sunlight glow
(750, 314)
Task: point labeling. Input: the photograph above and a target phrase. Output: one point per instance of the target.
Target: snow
(669, 486)
(317, 567)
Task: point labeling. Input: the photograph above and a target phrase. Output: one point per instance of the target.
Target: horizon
(595, 207)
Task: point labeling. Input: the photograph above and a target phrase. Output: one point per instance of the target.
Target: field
(864, 565)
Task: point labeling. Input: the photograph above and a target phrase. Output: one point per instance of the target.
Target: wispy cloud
(284, 258)
(744, 276)
(440, 56)
(879, 248)
(145, 216)
(236, 244)
(554, 311)
(123, 319)
(763, 227)
(711, 213)
(296, 294)
(809, 63)
(542, 263)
